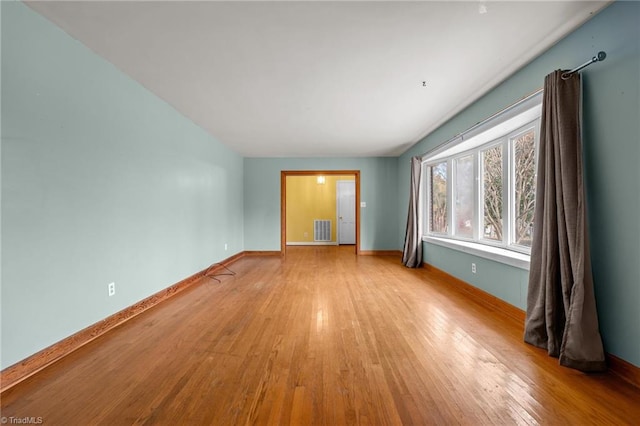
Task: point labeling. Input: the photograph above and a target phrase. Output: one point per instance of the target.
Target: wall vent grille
(321, 230)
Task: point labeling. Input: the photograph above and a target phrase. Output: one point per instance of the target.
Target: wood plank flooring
(319, 337)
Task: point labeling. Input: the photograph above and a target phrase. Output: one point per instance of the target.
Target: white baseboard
(312, 243)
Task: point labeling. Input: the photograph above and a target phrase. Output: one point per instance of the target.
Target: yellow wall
(306, 201)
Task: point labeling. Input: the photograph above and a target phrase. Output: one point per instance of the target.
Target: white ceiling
(303, 79)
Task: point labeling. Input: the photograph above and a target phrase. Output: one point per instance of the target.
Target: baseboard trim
(624, 370)
(380, 253)
(312, 243)
(479, 295)
(262, 253)
(21, 370)
(223, 264)
(617, 366)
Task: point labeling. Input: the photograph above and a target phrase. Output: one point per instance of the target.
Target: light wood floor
(322, 337)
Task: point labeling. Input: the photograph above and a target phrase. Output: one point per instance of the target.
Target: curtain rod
(601, 56)
(480, 123)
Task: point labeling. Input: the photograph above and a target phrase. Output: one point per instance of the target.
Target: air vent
(321, 230)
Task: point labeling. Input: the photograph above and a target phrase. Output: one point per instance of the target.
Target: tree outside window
(438, 196)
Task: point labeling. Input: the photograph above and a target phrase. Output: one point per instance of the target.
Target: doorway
(319, 173)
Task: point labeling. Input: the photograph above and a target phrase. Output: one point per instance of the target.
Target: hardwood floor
(320, 337)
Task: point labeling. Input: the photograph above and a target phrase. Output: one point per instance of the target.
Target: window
(463, 193)
(524, 185)
(481, 186)
(491, 197)
(438, 195)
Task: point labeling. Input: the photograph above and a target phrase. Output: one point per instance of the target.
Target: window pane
(464, 196)
(525, 169)
(438, 185)
(492, 193)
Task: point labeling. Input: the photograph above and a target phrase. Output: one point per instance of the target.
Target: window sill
(497, 254)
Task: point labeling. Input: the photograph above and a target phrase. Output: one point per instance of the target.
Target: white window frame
(499, 130)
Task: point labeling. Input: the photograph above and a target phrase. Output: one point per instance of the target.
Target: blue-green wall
(612, 154)
(101, 181)
(378, 188)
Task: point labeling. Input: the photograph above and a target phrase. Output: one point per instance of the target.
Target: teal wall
(612, 154)
(378, 188)
(101, 181)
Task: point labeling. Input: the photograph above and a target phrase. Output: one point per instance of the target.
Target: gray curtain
(561, 307)
(412, 254)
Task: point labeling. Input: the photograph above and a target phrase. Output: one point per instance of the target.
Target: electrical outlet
(473, 268)
(225, 246)
(112, 289)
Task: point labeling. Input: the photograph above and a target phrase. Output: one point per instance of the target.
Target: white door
(346, 202)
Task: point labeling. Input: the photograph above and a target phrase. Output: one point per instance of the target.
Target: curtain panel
(561, 312)
(412, 253)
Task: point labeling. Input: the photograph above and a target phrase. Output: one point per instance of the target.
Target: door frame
(283, 200)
